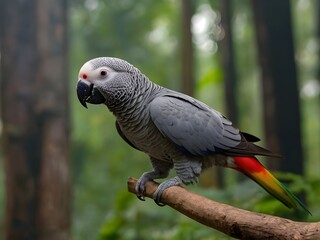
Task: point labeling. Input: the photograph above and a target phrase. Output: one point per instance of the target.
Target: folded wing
(200, 130)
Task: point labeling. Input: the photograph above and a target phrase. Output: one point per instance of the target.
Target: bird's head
(101, 79)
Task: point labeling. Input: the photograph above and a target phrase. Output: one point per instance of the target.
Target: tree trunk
(187, 73)
(228, 65)
(35, 118)
(229, 72)
(279, 81)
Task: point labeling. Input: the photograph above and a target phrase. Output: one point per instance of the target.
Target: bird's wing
(193, 126)
(198, 129)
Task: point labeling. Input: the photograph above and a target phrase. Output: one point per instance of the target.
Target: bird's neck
(134, 101)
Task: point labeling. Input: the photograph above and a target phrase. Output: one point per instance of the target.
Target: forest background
(198, 47)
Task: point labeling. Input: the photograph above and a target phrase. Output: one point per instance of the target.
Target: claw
(141, 197)
(159, 203)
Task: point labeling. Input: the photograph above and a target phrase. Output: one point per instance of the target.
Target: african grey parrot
(173, 129)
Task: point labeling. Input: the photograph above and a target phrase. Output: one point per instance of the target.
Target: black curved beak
(87, 92)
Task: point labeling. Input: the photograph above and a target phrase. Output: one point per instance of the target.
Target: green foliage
(133, 219)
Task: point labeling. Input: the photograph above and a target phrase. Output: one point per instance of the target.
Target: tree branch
(232, 221)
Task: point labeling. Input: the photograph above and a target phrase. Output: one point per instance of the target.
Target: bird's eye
(103, 73)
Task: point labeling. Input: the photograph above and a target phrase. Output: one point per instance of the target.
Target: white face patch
(86, 71)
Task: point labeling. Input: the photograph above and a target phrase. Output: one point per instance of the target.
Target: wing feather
(192, 125)
(200, 130)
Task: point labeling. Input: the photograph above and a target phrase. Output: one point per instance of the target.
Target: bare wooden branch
(232, 221)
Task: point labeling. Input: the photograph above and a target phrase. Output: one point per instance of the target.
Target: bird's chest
(145, 136)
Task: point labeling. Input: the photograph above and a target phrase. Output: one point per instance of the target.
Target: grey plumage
(175, 130)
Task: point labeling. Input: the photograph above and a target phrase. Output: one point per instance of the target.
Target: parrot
(175, 130)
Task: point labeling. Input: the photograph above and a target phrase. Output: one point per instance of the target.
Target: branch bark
(232, 221)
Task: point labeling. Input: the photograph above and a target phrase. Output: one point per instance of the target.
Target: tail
(251, 167)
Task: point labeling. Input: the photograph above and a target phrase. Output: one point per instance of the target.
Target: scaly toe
(157, 196)
(176, 181)
(140, 186)
(140, 191)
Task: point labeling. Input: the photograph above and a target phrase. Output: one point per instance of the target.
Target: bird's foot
(140, 186)
(176, 181)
